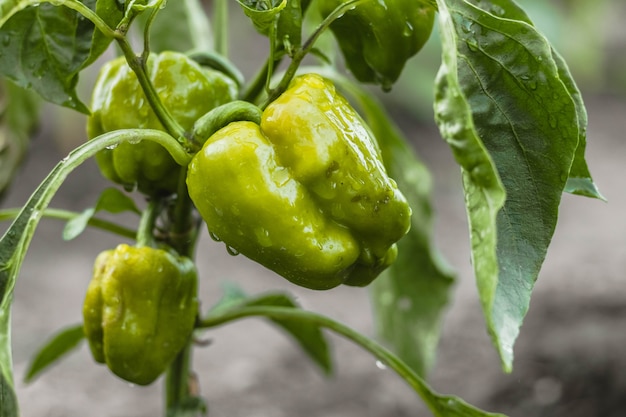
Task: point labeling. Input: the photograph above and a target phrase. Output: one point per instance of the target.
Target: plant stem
(145, 231)
(184, 232)
(177, 379)
(220, 24)
(139, 66)
(440, 405)
(301, 53)
(69, 215)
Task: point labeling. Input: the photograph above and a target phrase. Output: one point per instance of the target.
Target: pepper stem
(301, 53)
(145, 231)
(177, 380)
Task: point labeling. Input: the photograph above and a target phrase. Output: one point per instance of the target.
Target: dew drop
(232, 251)
(214, 236)
(381, 365)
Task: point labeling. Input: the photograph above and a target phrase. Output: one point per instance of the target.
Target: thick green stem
(145, 231)
(184, 230)
(220, 25)
(177, 380)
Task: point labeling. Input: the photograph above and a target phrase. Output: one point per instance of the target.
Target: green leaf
(580, 181)
(514, 128)
(410, 296)
(16, 240)
(110, 12)
(181, 26)
(232, 296)
(111, 200)
(308, 336)
(45, 46)
(56, 348)
(263, 13)
(19, 114)
(289, 27)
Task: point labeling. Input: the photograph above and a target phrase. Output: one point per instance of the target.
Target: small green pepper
(377, 37)
(185, 88)
(305, 193)
(139, 310)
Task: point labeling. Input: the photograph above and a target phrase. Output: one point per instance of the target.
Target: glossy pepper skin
(305, 193)
(378, 37)
(186, 89)
(139, 310)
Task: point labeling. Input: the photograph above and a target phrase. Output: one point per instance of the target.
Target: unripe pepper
(187, 91)
(377, 37)
(305, 193)
(139, 310)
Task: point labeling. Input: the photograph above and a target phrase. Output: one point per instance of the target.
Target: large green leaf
(44, 47)
(410, 296)
(580, 181)
(501, 100)
(19, 114)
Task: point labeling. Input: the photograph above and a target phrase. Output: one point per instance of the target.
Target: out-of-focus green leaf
(410, 296)
(19, 114)
(181, 26)
(111, 200)
(514, 128)
(263, 13)
(54, 349)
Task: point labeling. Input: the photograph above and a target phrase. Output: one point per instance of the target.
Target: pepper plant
(299, 168)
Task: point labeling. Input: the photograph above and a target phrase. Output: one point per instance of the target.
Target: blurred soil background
(570, 357)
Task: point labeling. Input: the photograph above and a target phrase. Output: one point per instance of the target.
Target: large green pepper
(305, 193)
(139, 310)
(377, 37)
(187, 90)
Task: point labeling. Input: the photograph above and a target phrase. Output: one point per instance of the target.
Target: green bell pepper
(139, 310)
(377, 37)
(305, 193)
(187, 91)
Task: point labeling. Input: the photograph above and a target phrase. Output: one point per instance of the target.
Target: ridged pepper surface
(305, 192)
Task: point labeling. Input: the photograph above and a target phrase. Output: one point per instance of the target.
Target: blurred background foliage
(589, 34)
